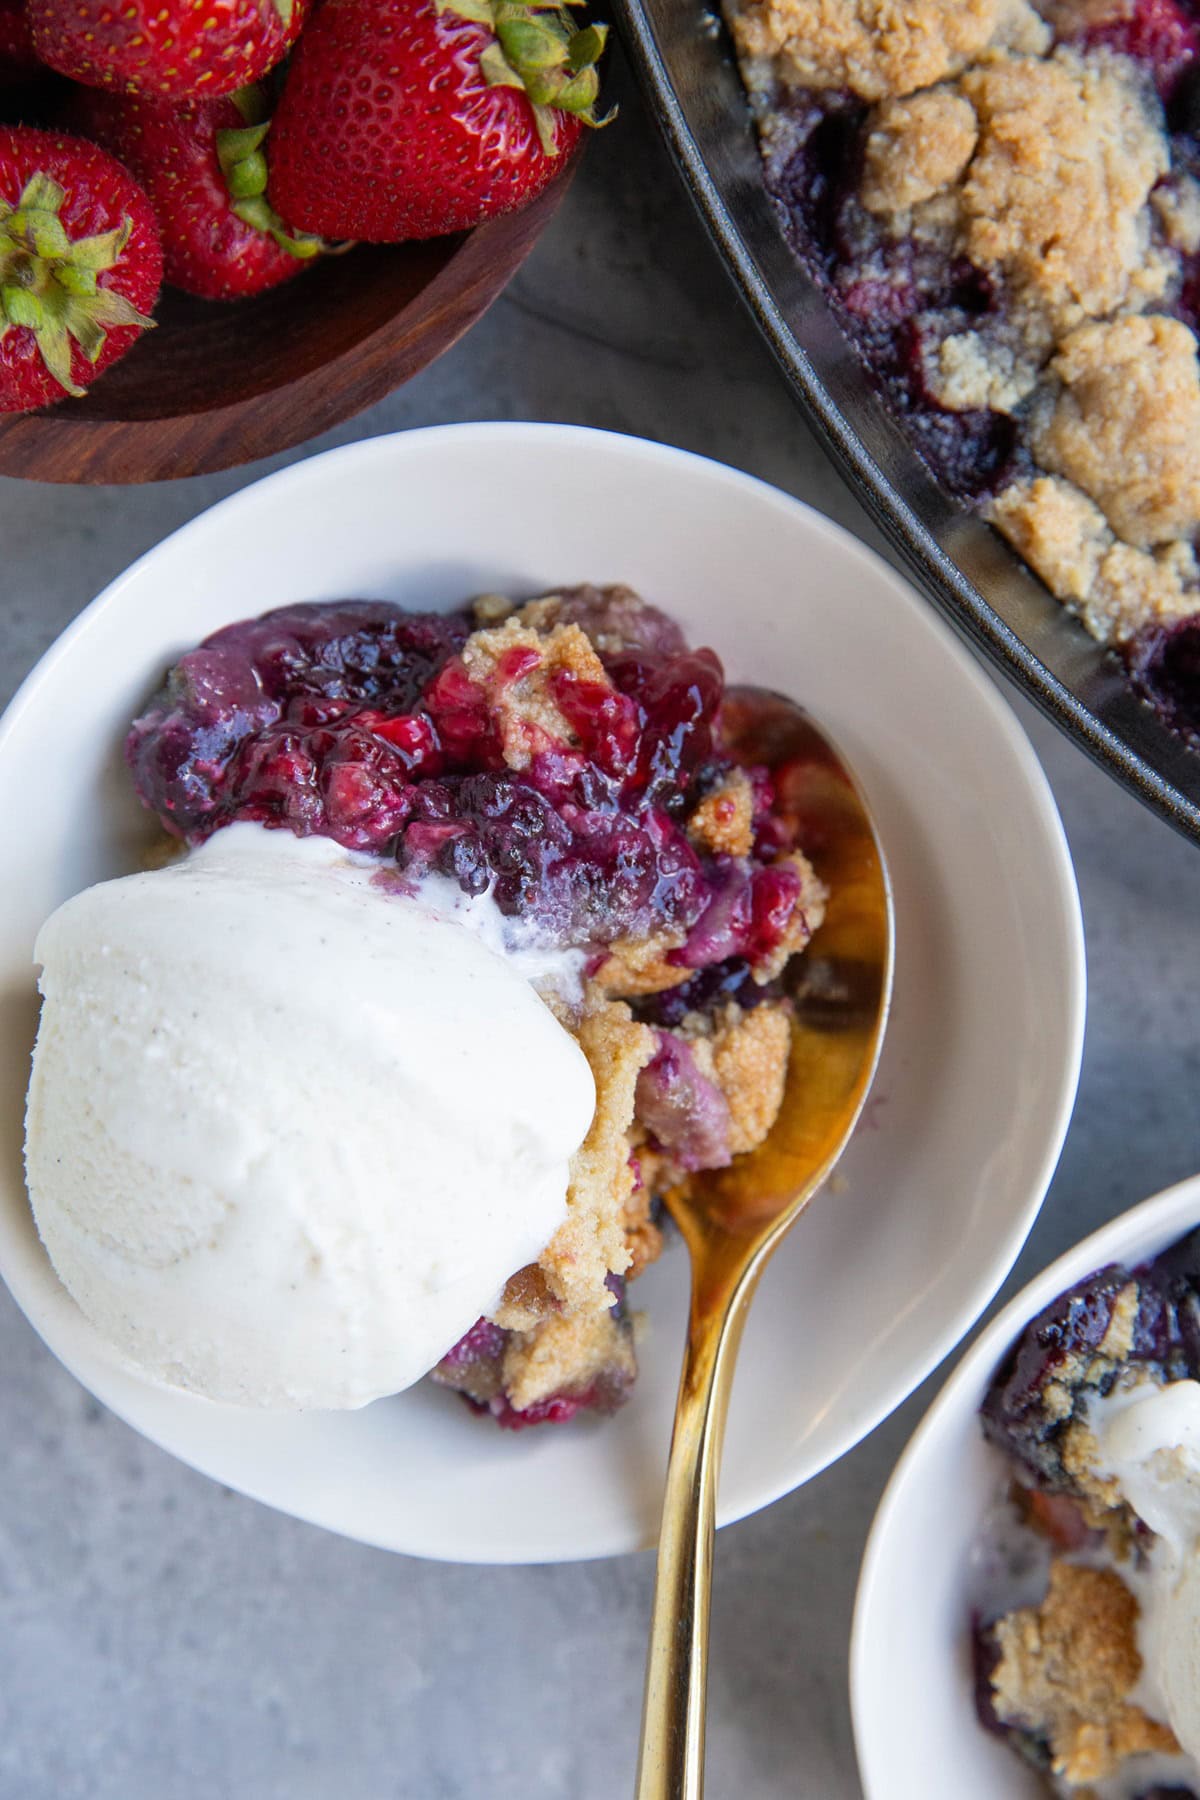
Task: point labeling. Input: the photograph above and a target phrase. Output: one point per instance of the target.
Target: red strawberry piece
(202, 165)
(1056, 1516)
(185, 49)
(411, 118)
(18, 59)
(80, 265)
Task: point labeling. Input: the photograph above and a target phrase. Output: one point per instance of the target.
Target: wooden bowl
(221, 383)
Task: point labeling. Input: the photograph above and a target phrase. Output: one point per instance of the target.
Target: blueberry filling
(361, 722)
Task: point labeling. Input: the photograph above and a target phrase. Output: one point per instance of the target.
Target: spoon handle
(671, 1759)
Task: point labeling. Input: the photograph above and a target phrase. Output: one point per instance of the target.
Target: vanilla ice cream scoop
(1148, 1438)
(288, 1133)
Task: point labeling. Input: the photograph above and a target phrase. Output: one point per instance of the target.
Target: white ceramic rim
(986, 696)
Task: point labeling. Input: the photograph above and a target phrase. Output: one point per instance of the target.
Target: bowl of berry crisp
(418, 900)
(220, 235)
(1050, 1616)
(971, 235)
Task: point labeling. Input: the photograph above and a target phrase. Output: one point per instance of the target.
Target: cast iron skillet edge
(685, 64)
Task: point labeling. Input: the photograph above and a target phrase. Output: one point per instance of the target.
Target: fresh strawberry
(409, 118)
(202, 165)
(18, 59)
(185, 49)
(80, 265)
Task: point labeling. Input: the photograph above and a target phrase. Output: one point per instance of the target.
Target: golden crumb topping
(1116, 589)
(643, 1236)
(1055, 196)
(915, 147)
(565, 1354)
(591, 1240)
(1177, 203)
(1057, 529)
(633, 966)
(515, 666)
(987, 368)
(1066, 1668)
(1125, 425)
(723, 822)
(746, 1054)
(881, 48)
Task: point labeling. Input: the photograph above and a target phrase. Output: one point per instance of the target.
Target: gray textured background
(162, 1639)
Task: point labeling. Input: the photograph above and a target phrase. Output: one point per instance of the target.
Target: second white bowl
(911, 1681)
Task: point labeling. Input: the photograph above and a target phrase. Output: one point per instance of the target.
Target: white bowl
(883, 1275)
(911, 1684)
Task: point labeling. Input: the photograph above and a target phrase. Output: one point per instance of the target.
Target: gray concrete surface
(162, 1639)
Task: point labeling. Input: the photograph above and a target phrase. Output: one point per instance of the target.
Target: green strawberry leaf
(42, 192)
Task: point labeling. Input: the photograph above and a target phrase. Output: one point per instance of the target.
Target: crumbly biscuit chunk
(996, 369)
(1177, 203)
(643, 1237)
(1066, 1668)
(564, 1355)
(633, 966)
(915, 147)
(1135, 589)
(746, 1054)
(591, 1240)
(1116, 589)
(878, 48)
(1055, 196)
(1125, 426)
(526, 712)
(1057, 529)
(723, 822)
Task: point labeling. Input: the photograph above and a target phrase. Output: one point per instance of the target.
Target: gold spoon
(732, 1219)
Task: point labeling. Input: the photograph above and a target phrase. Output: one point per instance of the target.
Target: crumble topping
(994, 370)
(1001, 224)
(1125, 425)
(1056, 192)
(746, 1055)
(915, 147)
(643, 1236)
(558, 1309)
(723, 822)
(1177, 203)
(591, 1240)
(1116, 589)
(1066, 1670)
(634, 966)
(1117, 1341)
(566, 1354)
(515, 666)
(879, 48)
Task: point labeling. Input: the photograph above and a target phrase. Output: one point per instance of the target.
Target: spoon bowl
(732, 1219)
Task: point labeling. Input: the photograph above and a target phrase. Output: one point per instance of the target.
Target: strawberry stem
(244, 166)
(48, 280)
(538, 47)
